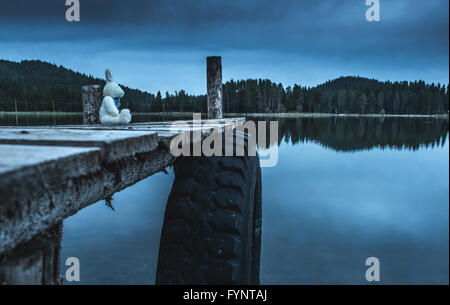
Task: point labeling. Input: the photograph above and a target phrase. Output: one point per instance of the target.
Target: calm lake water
(343, 190)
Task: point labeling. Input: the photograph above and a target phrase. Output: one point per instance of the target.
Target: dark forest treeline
(340, 96)
(40, 86)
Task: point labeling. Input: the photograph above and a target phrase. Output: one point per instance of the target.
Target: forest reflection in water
(349, 134)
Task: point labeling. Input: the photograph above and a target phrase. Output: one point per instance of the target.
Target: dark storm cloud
(286, 25)
(193, 12)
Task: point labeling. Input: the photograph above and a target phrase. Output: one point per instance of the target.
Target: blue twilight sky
(162, 44)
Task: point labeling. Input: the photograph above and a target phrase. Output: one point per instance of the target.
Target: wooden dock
(50, 173)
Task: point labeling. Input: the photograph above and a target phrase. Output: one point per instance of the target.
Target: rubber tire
(212, 224)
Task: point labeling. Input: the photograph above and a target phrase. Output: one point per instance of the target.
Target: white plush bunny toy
(109, 112)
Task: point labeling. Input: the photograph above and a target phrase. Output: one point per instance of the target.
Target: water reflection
(40, 119)
(356, 134)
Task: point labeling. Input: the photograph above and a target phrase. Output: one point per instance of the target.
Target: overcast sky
(162, 44)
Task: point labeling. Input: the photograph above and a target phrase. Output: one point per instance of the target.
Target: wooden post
(15, 107)
(214, 86)
(36, 262)
(54, 114)
(92, 100)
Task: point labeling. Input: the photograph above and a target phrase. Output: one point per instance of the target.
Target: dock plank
(74, 161)
(50, 172)
(28, 172)
(34, 198)
(115, 144)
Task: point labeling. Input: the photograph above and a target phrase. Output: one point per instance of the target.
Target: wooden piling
(15, 108)
(36, 262)
(92, 100)
(214, 86)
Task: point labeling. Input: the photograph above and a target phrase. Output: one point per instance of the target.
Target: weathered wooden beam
(114, 144)
(28, 172)
(203, 121)
(91, 97)
(39, 197)
(214, 86)
(18, 161)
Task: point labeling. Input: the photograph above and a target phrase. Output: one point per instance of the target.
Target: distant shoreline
(305, 115)
(38, 113)
(265, 115)
(332, 115)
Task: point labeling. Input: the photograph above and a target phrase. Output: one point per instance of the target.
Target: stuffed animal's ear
(108, 75)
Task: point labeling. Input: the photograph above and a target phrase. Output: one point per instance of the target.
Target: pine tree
(372, 102)
(362, 101)
(380, 101)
